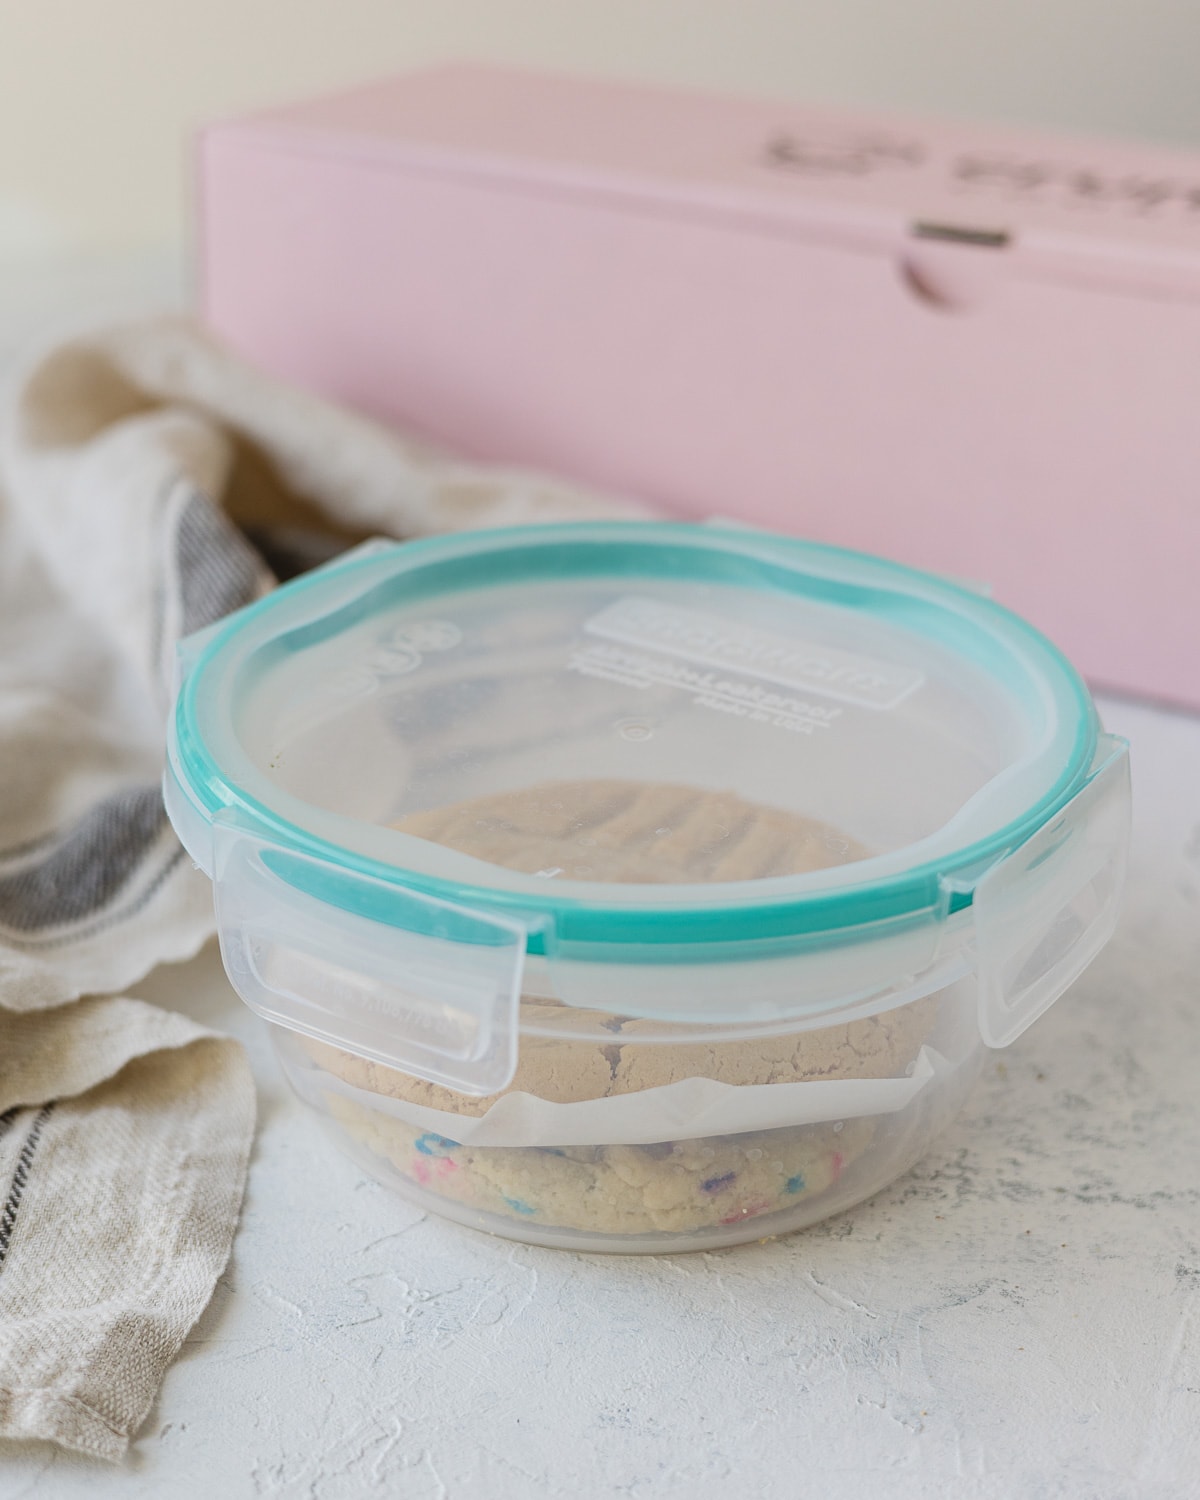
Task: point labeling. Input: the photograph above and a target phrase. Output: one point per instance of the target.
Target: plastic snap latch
(401, 978)
(1045, 911)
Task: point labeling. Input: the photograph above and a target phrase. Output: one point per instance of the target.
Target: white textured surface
(1017, 1319)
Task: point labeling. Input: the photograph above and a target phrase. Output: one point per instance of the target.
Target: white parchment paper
(674, 1112)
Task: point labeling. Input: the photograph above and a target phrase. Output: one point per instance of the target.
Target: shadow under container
(640, 887)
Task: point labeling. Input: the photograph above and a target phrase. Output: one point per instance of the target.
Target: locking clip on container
(642, 887)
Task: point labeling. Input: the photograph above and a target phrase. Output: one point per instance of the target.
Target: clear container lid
(919, 727)
(697, 774)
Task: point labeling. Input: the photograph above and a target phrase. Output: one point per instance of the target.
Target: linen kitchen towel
(149, 483)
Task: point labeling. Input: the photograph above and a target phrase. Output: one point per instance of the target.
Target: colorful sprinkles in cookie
(434, 1145)
(678, 1186)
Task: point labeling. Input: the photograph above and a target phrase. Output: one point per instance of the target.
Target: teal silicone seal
(320, 604)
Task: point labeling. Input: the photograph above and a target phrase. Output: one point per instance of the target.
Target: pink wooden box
(973, 350)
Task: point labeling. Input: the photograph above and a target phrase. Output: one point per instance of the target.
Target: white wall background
(98, 97)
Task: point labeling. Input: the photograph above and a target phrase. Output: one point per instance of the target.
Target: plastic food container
(642, 887)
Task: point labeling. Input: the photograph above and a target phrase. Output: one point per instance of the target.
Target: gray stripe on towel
(89, 866)
(86, 867)
(218, 568)
(20, 1179)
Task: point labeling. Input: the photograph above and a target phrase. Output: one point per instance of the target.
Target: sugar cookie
(633, 833)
